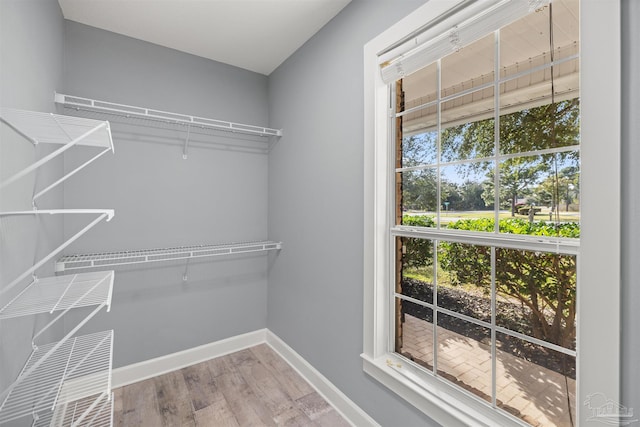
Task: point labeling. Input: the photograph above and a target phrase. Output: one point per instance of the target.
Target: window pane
(469, 67)
(468, 139)
(526, 42)
(420, 96)
(540, 195)
(464, 279)
(531, 118)
(464, 355)
(420, 88)
(519, 176)
(540, 126)
(537, 292)
(420, 149)
(534, 383)
(414, 337)
(419, 191)
(416, 275)
(558, 193)
(462, 192)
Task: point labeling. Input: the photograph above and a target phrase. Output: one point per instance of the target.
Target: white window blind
(477, 19)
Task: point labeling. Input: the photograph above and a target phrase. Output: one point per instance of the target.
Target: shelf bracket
(186, 143)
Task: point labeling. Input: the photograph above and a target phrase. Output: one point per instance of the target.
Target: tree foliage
(538, 128)
(420, 190)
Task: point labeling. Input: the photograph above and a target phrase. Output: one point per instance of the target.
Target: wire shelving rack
(59, 373)
(75, 262)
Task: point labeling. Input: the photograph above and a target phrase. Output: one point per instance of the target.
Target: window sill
(442, 402)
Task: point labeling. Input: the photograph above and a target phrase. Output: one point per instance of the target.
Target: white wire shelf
(50, 294)
(93, 411)
(102, 214)
(80, 103)
(74, 262)
(60, 373)
(49, 128)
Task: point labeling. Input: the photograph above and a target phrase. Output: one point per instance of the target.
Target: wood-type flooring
(252, 387)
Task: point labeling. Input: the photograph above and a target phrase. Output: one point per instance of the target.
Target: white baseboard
(345, 406)
(161, 365)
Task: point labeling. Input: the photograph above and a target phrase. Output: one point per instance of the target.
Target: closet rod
(75, 262)
(130, 111)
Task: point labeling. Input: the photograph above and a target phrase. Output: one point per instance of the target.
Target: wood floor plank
(252, 387)
(174, 405)
(293, 417)
(202, 389)
(218, 366)
(118, 394)
(217, 414)
(314, 405)
(248, 408)
(140, 406)
(289, 379)
(267, 387)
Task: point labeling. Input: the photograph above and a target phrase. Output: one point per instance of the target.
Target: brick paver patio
(534, 393)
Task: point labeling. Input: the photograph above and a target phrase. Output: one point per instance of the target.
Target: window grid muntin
(507, 156)
(547, 244)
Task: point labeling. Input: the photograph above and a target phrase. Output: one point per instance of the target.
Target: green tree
(419, 190)
(518, 176)
(538, 128)
(419, 149)
(471, 192)
(564, 188)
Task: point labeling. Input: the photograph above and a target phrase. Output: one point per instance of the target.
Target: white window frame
(598, 338)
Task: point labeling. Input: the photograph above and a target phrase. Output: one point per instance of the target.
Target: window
(480, 168)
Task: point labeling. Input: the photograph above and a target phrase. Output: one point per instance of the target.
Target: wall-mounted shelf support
(74, 262)
(102, 214)
(79, 103)
(56, 129)
(186, 143)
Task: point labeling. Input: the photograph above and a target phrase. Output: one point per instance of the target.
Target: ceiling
(256, 35)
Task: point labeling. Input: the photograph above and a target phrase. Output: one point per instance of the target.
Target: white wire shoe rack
(75, 262)
(67, 382)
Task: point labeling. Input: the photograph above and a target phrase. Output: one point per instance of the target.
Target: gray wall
(31, 53)
(316, 204)
(217, 195)
(630, 292)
